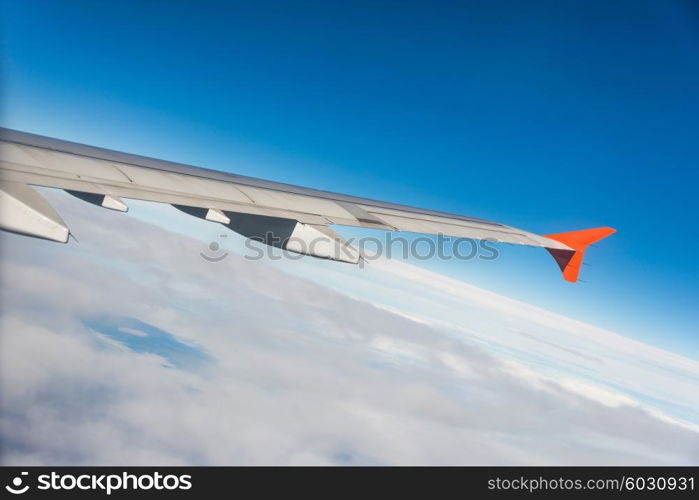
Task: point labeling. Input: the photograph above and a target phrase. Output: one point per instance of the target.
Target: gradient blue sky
(550, 116)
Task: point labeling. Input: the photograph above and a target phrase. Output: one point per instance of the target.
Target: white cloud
(301, 373)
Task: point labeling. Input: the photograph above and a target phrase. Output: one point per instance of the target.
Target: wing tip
(571, 260)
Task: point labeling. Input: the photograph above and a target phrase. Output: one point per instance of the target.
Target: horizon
(553, 132)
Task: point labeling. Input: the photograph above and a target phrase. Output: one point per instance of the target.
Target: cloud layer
(299, 373)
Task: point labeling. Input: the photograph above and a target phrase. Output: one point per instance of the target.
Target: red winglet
(570, 260)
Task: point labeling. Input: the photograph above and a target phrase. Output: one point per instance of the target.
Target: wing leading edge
(296, 217)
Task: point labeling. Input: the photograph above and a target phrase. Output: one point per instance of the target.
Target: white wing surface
(291, 217)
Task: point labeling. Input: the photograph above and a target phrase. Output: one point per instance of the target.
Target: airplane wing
(282, 215)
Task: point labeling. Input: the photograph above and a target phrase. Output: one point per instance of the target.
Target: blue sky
(550, 116)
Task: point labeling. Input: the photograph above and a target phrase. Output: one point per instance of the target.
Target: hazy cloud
(296, 372)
